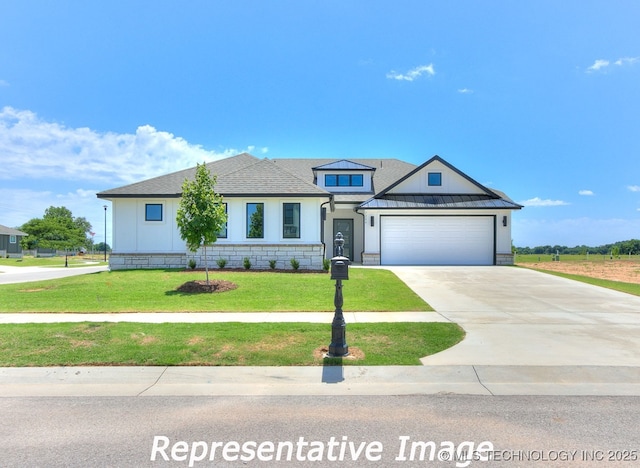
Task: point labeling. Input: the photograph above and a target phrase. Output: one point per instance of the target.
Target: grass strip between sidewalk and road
(217, 344)
(373, 290)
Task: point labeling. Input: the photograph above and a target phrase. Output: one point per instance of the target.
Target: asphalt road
(321, 431)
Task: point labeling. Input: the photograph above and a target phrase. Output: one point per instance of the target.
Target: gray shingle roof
(7, 231)
(264, 178)
(243, 174)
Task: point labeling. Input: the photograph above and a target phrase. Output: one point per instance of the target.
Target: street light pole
(105, 233)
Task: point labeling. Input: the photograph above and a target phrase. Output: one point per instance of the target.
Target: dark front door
(345, 226)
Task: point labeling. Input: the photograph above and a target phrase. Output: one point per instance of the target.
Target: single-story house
(390, 212)
(10, 242)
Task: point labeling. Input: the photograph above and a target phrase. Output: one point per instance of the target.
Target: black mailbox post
(339, 272)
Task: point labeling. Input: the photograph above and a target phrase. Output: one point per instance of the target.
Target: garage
(437, 240)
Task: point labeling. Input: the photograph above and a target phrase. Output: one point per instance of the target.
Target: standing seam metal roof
(443, 202)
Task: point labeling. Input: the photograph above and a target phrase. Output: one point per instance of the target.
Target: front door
(345, 226)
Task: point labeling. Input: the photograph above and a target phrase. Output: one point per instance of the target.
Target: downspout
(323, 219)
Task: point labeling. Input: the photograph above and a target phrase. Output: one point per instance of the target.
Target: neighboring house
(10, 242)
(390, 213)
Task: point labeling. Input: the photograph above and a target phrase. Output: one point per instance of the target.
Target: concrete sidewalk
(12, 275)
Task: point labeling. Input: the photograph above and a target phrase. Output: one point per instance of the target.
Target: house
(390, 213)
(10, 242)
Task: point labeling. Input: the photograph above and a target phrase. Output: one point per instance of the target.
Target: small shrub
(192, 264)
(272, 264)
(221, 262)
(247, 263)
(295, 264)
(326, 264)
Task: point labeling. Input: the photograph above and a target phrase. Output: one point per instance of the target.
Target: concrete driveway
(515, 316)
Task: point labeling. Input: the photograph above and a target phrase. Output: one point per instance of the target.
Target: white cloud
(47, 164)
(585, 192)
(413, 74)
(465, 91)
(598, 64)
(537, 201)
(626, 61)
(35, 149)
(634, 188)
(602, 64)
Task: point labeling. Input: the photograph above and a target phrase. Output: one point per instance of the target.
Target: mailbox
(339, 268)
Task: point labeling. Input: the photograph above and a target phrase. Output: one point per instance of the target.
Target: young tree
(201, 214)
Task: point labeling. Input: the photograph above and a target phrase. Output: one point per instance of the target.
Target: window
(153, 212)
(435, 178)
(357, 180)
(343, 180)
(330, 180)
(255, 220)
(13, 240)
(223, 232)
(291, 220)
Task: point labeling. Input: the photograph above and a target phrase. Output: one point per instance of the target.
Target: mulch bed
(201, 286)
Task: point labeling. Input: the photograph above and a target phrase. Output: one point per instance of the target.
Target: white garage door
(437, 240)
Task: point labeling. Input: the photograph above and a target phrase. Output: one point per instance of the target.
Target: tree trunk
(206, 264)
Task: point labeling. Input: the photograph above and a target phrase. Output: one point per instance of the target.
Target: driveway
(515, 316)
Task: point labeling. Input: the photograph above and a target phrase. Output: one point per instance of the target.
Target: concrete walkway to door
(520, 317)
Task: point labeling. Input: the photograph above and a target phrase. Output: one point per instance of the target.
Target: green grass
(216, 344)
(630, 288)
(51, 262)
(156, 291)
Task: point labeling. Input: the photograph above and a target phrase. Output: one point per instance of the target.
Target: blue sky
(538, 99)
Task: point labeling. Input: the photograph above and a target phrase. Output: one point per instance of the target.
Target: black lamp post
(339, 272)
(105, 232)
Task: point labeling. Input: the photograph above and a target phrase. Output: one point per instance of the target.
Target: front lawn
(217, 344)
(156, 291)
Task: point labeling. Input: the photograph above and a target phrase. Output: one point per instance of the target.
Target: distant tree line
(619, 248)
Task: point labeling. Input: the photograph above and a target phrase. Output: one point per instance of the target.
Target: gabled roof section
(430, 162)
(478, 196)
(243, 174)
(343, 165)
(7, 231)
